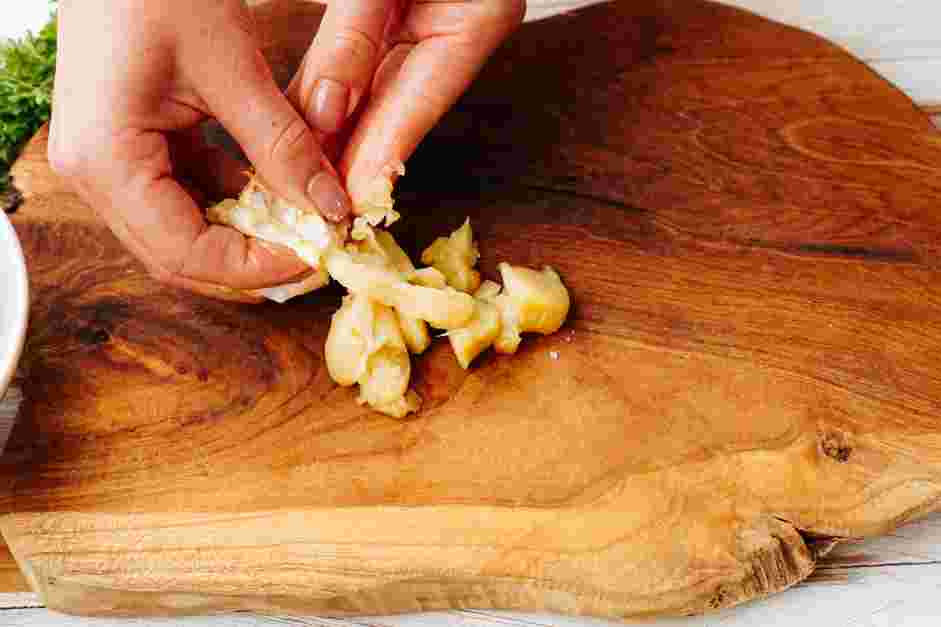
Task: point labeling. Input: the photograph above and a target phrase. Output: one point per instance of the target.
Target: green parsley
(27, 68)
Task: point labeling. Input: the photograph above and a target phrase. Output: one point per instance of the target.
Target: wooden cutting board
(749, 221)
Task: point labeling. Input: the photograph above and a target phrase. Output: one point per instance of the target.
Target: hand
(399, 65)
(134, 78)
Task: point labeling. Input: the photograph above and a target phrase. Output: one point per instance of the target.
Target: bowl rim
(11, 258)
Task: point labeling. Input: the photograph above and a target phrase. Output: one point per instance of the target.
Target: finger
(308, 278)
(341, 61)
(442, 48)
(334, 144)
(153, 215)
(194, 191)
(218, 292)
(238, 88)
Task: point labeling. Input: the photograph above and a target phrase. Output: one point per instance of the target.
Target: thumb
(240, 92)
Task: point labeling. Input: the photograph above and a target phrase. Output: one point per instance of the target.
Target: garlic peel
(259, 213)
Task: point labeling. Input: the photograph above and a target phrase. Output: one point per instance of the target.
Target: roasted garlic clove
(429, 277)
(395, 255)
(478, 335)
(488, 290)
(386, 377)
(441, 308)
(381, 244)
(415, 332)
(388, 368)
(455, 256)
(366, 346)
(541, 300)
(349, 340)
(390, 305)
(508, 341)
(401, 407)
(530, 301)
(360, 272)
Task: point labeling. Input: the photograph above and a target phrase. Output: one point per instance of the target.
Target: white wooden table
(890, 581)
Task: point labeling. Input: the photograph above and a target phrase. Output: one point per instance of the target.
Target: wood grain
(11, 579)
(896, 40)
(747, 219)
(889, 580)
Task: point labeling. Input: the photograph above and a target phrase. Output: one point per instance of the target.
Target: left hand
(134, 79)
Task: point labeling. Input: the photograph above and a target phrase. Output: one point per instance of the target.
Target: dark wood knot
(836, 446)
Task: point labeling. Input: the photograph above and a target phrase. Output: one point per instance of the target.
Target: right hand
(134, 79)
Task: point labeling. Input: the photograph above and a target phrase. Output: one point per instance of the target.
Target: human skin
(135, 79)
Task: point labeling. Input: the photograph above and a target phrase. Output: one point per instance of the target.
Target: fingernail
(328, 197)
(330, 103)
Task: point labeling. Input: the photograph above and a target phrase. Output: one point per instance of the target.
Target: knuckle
(163, 269)
(291, 141)
(357, 46)
(242, 19)
(160, 274)
(234, 254)
(66, 162)
(147, 151)
(163, 275)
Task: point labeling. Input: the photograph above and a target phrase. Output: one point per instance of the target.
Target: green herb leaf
(27, 70)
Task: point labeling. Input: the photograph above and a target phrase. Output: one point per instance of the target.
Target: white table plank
(898, 38)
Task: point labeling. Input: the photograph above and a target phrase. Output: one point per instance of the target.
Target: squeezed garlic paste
(391, 304)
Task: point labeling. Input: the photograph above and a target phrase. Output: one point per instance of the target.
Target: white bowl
(14, 302)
